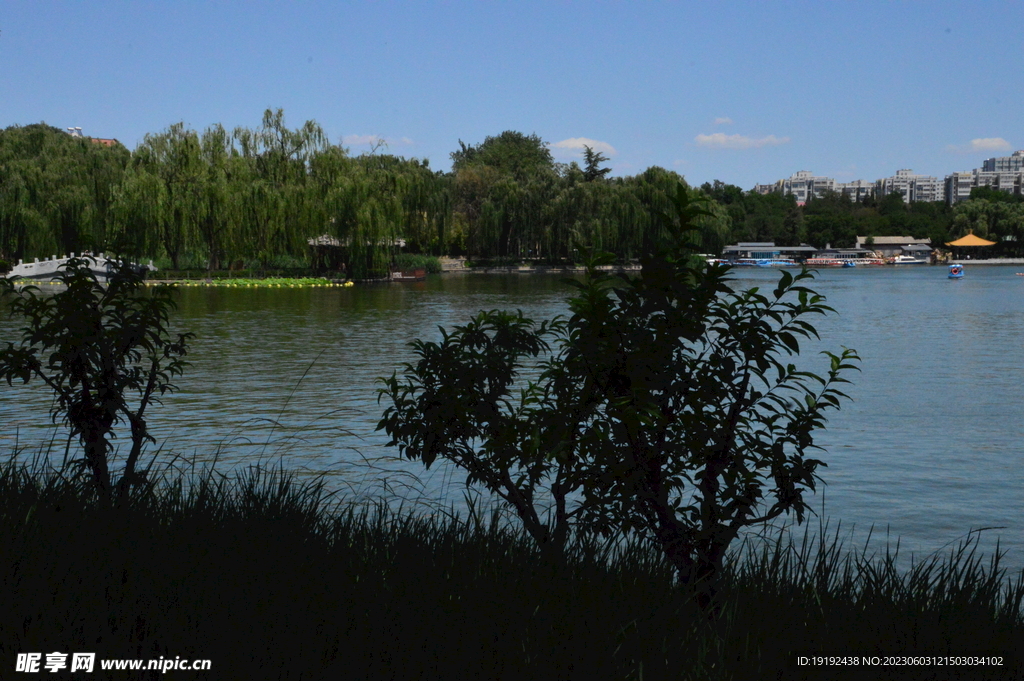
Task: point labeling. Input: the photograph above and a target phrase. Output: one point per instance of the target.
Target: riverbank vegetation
(251, 199)
(270, 576)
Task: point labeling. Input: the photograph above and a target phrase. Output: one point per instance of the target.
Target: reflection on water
(930, 446)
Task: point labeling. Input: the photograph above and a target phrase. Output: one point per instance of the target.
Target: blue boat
(956, 271)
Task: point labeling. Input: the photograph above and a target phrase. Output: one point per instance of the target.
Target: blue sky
(742, 92)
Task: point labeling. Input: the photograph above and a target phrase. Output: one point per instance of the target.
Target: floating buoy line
(259, 283)
(225, 283)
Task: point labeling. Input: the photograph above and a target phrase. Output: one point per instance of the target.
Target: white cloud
(360, 140)
(723, 121)
(990, 144)
(981, 144)
(720, 140)
(576, 144)
(373, 140)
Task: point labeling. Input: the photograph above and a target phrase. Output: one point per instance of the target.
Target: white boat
(775, 262)
(908, 260)
(823, 262)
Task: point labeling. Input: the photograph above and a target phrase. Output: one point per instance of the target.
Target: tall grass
(274, 577)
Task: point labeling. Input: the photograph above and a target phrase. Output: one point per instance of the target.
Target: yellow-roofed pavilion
(968, 247)
(970, 240)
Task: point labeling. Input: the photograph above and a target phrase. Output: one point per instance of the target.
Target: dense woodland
(254, 197)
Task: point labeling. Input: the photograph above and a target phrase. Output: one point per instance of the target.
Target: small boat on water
(908, 260)
(956, 271)
(775, 262)
(824, 262)
(419, 274)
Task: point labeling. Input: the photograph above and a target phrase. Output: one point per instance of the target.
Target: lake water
(931, 446)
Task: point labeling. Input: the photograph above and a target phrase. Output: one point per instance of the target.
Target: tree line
(217, 198)
(255, 197)
(837, 220)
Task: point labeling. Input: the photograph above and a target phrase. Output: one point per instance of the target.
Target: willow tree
(277, 160)
(55, 192)
(366, 212)
(1002, 221)
(174, 156)
(219, 212)
(138, 211)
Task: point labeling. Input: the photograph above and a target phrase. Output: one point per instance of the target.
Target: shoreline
(227, 281)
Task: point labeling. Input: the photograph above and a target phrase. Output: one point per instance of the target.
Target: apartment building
(1005, 173)
(803, 185)
(858, 190)
(1013, 163)
(959, 186)
(912, 187)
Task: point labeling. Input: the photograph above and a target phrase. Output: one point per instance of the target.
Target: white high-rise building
(858, 190)
(912, 187)
(958, 186)
(803, 185)
(1004, 164)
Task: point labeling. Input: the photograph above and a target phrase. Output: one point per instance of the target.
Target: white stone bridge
(48, 269)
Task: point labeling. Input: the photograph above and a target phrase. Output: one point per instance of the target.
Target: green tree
(175, 157)
(273, 200)
(107, 354)
(592, 161)
(511, 152)
(1000, 221)
(669, 407)
(55, 191)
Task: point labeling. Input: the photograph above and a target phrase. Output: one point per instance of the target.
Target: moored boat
(824, 262)
(419, 274)
(908, 260)
(776, 262)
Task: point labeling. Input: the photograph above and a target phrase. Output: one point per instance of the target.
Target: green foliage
(415, 261)
(830, 219)
(510, 153)
(457, 403)
(1000, 221)
(254, 195)
(995, 195)
(218, 197)
(55, 191)
(592, 161)
(358, 591)
(668, 408)
(106, 353)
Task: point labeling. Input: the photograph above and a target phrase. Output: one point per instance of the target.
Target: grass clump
(273, 577)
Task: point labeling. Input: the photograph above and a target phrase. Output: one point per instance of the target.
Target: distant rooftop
(77, 132)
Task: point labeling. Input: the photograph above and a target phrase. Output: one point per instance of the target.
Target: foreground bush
(272, 578)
